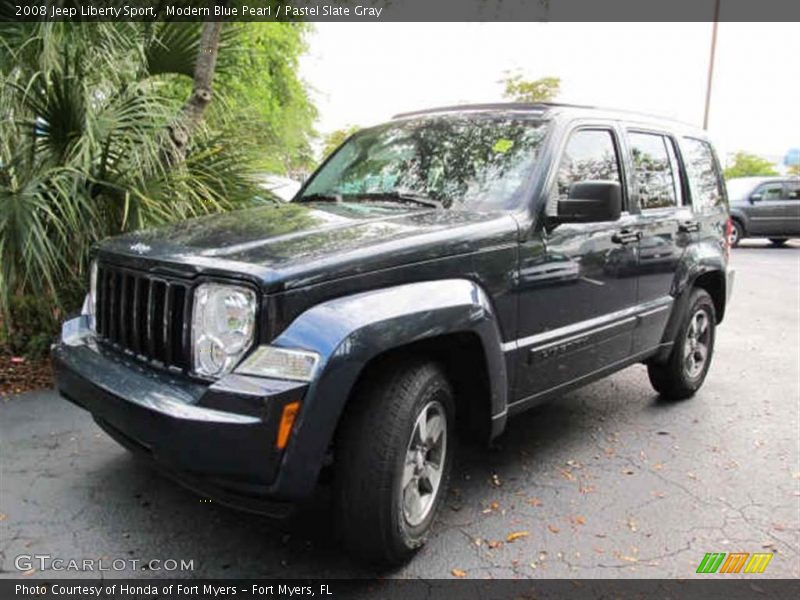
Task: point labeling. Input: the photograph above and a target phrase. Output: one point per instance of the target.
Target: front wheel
(686, 368)
(393, 454)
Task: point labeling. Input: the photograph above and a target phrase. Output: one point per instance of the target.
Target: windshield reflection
(477, 161)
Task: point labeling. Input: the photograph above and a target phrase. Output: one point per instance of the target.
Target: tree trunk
(191, 115)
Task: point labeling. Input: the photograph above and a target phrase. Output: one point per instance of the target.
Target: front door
(577, 283)
(766, 209)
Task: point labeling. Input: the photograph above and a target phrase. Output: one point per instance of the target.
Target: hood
(292, 245)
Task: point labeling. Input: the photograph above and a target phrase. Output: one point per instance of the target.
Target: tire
(683, 373)
(777, 242)
(737, 233)
(385, 503)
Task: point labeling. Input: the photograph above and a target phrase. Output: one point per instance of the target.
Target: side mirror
(756, 198)
(591, 202)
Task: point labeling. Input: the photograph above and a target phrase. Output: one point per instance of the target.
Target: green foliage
(34, 327)
(518, 89)
(83, 111)
(748, 165)
(262, 90)
(336, 138)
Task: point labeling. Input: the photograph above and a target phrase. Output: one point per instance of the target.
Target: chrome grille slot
(145, 315)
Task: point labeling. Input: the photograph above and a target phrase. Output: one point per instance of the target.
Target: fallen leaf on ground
(496, 480)
(534, 502)
(553, 528)
(579, 520)
(589, 489)
(495, 544)
(458, 573)
(631, 559)
(632, 525)
(567, 475)
(516, 535)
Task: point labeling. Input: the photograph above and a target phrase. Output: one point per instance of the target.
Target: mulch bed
(20, 374)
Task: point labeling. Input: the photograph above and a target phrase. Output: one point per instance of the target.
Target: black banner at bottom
(715, 588)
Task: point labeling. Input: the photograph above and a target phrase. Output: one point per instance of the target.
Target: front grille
(145, 315)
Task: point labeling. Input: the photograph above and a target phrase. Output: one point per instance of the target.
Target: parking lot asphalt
(606, 481)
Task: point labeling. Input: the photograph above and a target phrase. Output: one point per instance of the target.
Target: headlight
(90, 302)
(281, 363)
(223, 323)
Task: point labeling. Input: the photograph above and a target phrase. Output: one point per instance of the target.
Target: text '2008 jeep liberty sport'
(436, 275)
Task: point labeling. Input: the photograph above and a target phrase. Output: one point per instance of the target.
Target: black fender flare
(349, 332)
(700, 259)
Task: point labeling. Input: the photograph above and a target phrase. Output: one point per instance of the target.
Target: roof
(544, 110)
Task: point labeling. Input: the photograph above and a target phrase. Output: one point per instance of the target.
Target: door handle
(626, 236)
(688, 226)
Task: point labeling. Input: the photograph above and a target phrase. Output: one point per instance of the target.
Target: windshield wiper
(320, 198)
(401, 197)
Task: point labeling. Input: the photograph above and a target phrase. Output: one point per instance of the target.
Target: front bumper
(218, 439)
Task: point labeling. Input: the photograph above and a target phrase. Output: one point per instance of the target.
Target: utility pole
(711, 62)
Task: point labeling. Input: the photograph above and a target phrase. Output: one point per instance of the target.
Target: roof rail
(513, 106)
(533, 107)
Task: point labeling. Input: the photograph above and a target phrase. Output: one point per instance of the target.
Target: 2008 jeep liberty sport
(436, 275)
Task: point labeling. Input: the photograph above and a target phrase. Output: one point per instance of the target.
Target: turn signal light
(287, 422)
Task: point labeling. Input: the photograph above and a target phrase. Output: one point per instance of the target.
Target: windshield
(476, 162)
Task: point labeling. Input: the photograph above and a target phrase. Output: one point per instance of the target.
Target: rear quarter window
(702, 172)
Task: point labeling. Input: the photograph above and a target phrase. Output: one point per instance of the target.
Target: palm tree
(83, 115)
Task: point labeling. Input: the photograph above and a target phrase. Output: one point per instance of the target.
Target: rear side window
(655, 170)
(701, 169)
(793, 190)
(590, 155)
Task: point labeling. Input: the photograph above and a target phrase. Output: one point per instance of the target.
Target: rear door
(793, 207)
(667, 225)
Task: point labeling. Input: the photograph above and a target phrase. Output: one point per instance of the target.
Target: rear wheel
(778, 242)
(394, 451)
(737, 233)
(685, 370)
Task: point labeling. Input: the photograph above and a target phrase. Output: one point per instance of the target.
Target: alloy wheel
(424, 463)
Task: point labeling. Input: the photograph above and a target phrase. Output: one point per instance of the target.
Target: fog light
(280, 363)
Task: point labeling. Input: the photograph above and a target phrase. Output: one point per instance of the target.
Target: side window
(654, 168)
(590, 154)
(770, 191)
(701, 169)
(793, 190)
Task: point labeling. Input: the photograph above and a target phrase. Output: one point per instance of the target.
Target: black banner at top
(374, 11)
